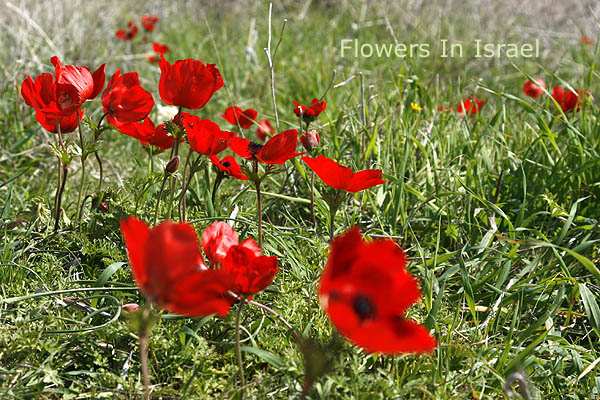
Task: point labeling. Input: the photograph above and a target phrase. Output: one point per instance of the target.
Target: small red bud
(172, 165)
(103, 207)
(310, 140)
(131, 307)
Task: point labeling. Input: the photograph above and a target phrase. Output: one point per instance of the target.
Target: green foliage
(498, 213)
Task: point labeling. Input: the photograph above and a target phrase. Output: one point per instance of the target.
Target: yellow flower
(416, 107)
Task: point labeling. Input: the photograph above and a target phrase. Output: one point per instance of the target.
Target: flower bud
(131, 307)
(310, 140)
(172, 165)
(103, 207)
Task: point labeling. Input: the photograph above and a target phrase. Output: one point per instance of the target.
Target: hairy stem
(96, 137)
(218, 181)
(144, 362)
(238, 349)
(312, 198)
(65, 169)
(82, 183)
(160, 193)
(185, 183)
(258, 206)
(61, 180)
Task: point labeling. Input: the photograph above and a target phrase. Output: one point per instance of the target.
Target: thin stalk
(332, 212)
(184, 185)
(88, 196)
(174, 154)
(82, 183)
(329, 86)
(150, 160)
(172, 183)
(312, 198)
(363, 112)
(162, 186)
(144, 331)
(96, 137)
(238, 349)
(207, 195)
(144, 362)
(61, 181)
(333, 207)
(58, 184)
(362, 97)
(271, 58)
(65, 169)
(218, 180)
(258, 205)
(160, 193)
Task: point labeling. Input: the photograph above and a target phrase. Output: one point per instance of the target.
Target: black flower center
(254, 148)
(226, 164)
(363, 307)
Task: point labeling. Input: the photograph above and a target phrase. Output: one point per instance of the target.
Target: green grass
(498, 213)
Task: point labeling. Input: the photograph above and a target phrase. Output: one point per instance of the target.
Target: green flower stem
(312, 198)
(334, 205)
(185, 183)
(162, 188)
(258, 205)
(61, 181)
(82, 183)
(143, 336)
(172, 184)
(238, 349)
(218, 180)
(100, 168)
(150, 159)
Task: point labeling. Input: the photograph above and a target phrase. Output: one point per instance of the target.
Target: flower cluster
(170, 270)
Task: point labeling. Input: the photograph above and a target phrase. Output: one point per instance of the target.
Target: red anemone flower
(342, 178)
(67, 124)
(188, 83)
(125, 100)
(60, 98)
(205, 137)
(234, 114)
(277, 150)
(147, 133)
(365, 289)
(252, 272)
(568, 100)
(312, 112)
(587, 40)
(532, 90)
(229, 166)
(127, 34)
(263, 129)
(148, 22)
(167, 265)
(470, 106)
(158, 49)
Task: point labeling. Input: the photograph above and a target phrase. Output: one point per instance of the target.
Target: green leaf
(265, 355)
(107, 273)
(591, 306)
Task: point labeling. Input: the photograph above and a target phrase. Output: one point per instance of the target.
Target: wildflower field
(299, 200)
